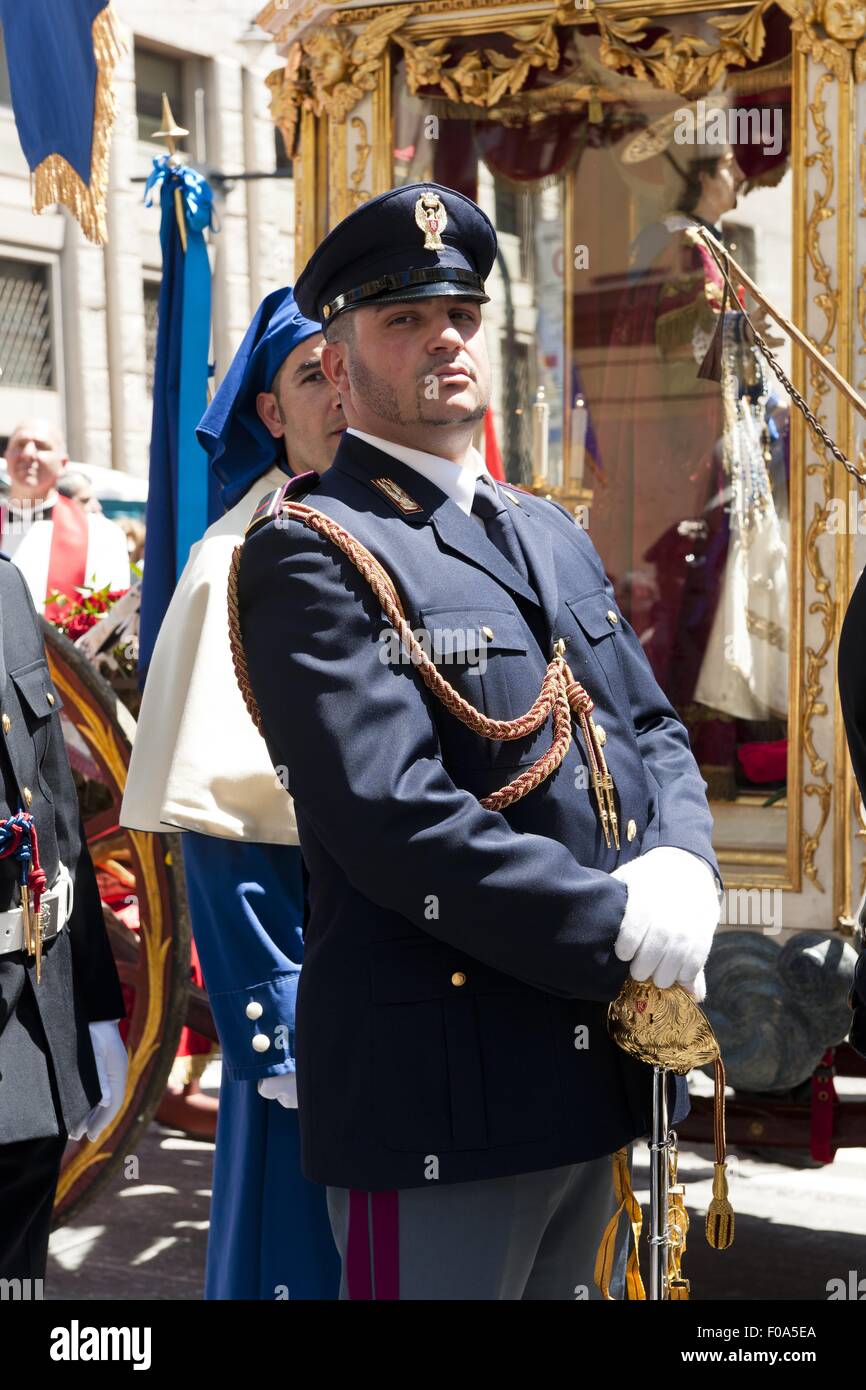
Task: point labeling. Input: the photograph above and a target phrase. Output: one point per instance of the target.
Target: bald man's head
(35, 457)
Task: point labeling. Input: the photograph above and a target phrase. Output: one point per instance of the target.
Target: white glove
(283, 1088)
(697, 988)
(672, 912)
(112, 1064)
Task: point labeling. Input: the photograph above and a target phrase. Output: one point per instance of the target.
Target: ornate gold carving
(285, 88)
(832, 33)
(431, 7)
(861, 288)
(328, 73)
(330, 70)
(678, 62)
(363, 150)
(343, 67)
(815, 706)
(288, 24)
(484, 76)
(338, 187)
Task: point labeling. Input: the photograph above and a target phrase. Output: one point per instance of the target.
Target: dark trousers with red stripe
(529, 1236)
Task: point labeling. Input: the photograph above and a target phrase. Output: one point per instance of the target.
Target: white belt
(55, 911)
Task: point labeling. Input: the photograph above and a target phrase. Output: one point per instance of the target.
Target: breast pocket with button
(484, 654)
(40, 702)
(599, 654)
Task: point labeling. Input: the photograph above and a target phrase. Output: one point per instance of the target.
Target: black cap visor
(433, 291)
(412, 284)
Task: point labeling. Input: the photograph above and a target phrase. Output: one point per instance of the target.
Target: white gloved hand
(697, 988)
(112, 1064)
(283, 1088)
(672, 912)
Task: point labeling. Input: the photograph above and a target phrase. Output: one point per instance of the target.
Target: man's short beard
(382, 398)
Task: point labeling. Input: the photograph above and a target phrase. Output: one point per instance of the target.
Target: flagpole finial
(170, 134)
(171, 131)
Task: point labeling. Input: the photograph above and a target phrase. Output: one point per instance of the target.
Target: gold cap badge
(432, 218)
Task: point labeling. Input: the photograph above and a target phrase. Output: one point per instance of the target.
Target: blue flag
(61, 56)
(182, 497)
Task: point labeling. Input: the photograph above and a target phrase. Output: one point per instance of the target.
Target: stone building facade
(77, 322)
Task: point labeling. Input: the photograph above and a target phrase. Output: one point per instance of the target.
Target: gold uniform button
(7, 723)
(28, 795)
(611, 616)
(602, 735)
(487, 634)
(49, 697)
(630, 830)
(458, 978)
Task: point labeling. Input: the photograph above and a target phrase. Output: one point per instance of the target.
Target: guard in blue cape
(198, 765)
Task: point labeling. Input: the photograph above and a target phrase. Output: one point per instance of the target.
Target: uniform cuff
(256, 1027)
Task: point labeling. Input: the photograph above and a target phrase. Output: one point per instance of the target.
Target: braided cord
(560, 693)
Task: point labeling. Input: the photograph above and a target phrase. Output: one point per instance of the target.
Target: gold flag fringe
(54, 180)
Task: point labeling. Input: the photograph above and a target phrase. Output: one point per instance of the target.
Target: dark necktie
(498, 525)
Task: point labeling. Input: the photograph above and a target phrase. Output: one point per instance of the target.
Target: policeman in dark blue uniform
(459, 1095)
(63, 1064)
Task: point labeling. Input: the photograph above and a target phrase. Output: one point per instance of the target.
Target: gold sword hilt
(39, 934)
(26, 919)
(34, 930)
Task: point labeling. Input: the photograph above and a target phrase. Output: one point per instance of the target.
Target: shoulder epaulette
(270, 504)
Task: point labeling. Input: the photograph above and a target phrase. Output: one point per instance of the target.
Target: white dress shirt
(456, 480)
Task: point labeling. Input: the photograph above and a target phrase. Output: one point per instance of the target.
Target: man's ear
(269, 413)
(333, 365)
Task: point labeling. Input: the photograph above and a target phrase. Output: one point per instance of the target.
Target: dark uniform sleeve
(95, 973)
(365, 768)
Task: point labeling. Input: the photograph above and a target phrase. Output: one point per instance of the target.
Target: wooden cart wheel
(154, 961)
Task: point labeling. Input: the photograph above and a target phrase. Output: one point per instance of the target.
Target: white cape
(198, 761)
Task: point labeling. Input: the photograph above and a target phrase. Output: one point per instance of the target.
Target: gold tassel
(624, 1194)
(720, 1214)
(595, 114)
(54, 180)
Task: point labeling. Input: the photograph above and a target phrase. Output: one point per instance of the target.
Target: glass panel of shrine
(604, 309)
